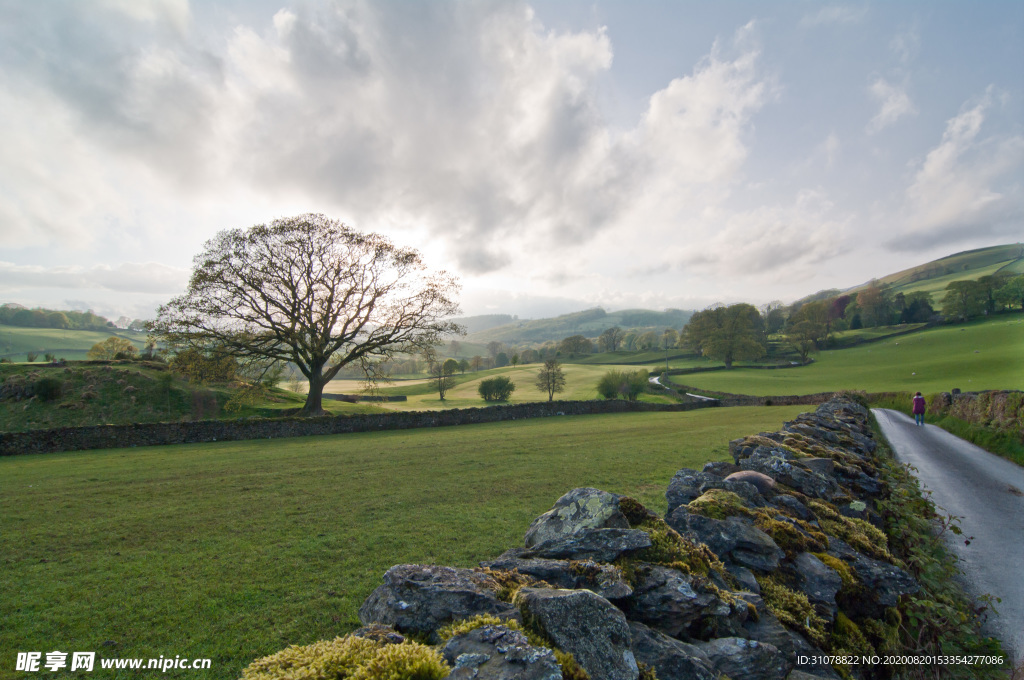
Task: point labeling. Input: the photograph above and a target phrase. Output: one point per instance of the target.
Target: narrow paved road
(988, 493)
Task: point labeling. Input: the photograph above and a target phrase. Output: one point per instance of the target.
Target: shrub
(622, 384)
(49, 389)
(49, 356)
(113, 348)
(31, 356)
(498, 388)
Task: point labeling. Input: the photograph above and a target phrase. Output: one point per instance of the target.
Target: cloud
(128, 277)
(470, 123)
(968, 187)
(895, 104)
(790, 240)
(835, 14)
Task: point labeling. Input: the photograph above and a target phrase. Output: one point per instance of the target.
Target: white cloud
(895, 104)
(969, 186)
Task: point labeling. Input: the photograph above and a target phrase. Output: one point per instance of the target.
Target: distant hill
(483, 322)
(933, 277)
(589, 322)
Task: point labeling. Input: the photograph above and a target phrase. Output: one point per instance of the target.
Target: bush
(31, 356)
(49, 357)
(49, 389)
(113, 348)
(498, 388)
(622, 385)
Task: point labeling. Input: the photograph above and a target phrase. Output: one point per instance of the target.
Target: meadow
(234, 550)
(16, 342)
(980, 355)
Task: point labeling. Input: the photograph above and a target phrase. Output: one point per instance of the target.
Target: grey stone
(734, 539)
(420, 599)
(794, 506)
(604, 579)
(670, 658)
(743, 659)
(499, 653)
(720, 467)
(823, 466)
(744, 577)
(786, 472)
(817, 581)
(768, 629)
(585, 625)
(580, 509)
(883, 583)
(687, 485)
(671, 601)
(601, 545)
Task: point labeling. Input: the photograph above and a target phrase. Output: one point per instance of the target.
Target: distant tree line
(17, 315)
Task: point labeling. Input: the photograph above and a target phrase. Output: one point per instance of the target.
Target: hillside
(589, 322)
(933, 277)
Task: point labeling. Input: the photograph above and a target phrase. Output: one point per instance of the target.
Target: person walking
(919, 409)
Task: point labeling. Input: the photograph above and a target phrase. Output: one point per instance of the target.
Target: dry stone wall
(152, 434)
(762, 569)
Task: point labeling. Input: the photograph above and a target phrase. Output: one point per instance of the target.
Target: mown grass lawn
(234, 550)
(976, 356)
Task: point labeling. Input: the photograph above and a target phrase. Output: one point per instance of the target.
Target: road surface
(988, 493)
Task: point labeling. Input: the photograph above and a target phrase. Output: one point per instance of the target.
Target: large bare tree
(310, 291)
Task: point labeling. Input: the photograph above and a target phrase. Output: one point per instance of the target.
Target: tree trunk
(314, 398)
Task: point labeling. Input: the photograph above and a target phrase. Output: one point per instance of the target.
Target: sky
(555, 155)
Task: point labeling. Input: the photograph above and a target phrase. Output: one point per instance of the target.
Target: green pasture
(936, 287)
(581, 384)
(233, 550)
(16, 342)
(976, 356)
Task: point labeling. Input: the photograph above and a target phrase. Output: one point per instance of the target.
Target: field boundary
(192, 432)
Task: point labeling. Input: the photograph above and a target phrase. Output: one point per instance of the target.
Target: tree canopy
(311, 291)
(727, 333)
(550, 378)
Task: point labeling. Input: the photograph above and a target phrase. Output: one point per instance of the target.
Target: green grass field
(976, 356)
(234, 550)
(581, 384)
(17, 342)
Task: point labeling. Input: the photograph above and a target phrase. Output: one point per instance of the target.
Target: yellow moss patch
(840, 567)
(861, 535)
(788, 537)
(718, 504)
(758, 440)
(350, 657)
(847, 638)
(668, 547)
(509, 582)
(479, 621)
(792, 608)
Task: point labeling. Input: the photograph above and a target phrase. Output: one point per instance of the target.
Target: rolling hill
(933, 277)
